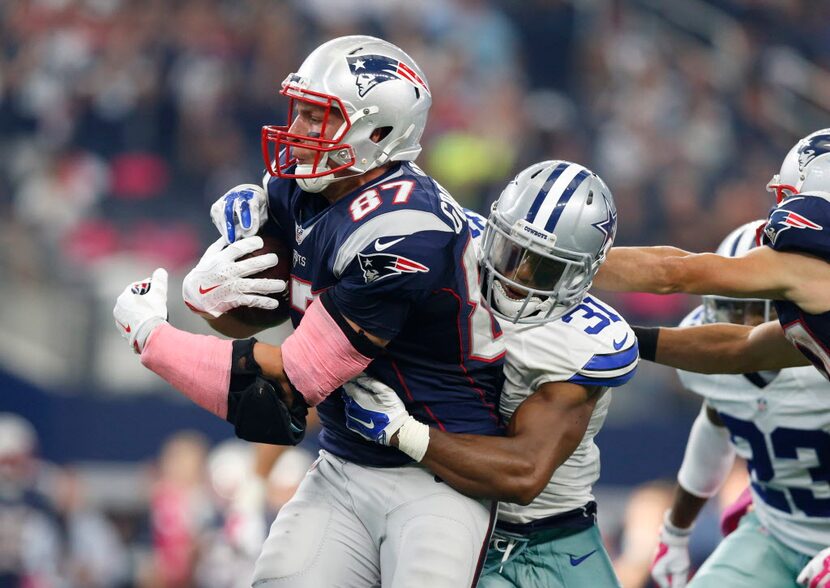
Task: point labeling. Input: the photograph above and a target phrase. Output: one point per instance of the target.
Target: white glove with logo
(373, 410)
(140, 308)
(218, 283)
(816, 574)
(240, 212)
(670, 568)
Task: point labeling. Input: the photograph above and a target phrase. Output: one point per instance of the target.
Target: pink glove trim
(733, 513)
(198, 366)
(318, 357)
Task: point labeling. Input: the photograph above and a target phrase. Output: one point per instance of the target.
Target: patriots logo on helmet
(371, 70)
(811, 148)
(140, 288)
(377, 266)
(782, 219)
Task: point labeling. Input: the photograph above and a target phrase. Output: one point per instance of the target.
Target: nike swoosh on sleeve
(619, 345)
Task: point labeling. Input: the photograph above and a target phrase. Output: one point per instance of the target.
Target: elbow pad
(709, 457)
(259, 410)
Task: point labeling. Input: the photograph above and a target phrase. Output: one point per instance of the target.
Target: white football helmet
(375, 86)
(740, 311)
(545, 239)
(806, 168)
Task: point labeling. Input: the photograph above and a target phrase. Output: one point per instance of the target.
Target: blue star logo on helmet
(371, 70)
(608, 227)
(812, 147)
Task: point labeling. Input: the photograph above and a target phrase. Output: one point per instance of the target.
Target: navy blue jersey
(801, 224)
(395, 256)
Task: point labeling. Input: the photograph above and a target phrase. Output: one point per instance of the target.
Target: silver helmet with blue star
(546, 237)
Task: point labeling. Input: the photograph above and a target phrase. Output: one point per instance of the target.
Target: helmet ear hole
(380, 133)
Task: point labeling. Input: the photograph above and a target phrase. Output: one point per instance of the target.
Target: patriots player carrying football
(546, 236)
(790, 268)
(384, 280)
(762, 417)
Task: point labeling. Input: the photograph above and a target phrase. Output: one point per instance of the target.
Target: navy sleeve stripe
(606, 362)
(608, 382)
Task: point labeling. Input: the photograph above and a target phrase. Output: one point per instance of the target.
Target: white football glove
(670, 568)
(240, 212)
(816, 574)
(218, 283)
(140, 308)
(373, 410)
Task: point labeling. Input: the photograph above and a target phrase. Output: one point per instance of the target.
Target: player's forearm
(640, 269)
(483, 467)
(725, 349)
(685, 508)
(511, 469)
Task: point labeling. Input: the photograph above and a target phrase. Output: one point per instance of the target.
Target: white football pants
(353, 526)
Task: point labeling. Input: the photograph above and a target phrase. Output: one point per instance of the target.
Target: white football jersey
(590, 345)
(780, 423)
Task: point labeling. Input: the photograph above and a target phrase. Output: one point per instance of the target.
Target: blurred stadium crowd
(121, 121)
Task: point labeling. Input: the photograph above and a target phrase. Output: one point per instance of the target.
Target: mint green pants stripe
(749, 558)
(561, 560)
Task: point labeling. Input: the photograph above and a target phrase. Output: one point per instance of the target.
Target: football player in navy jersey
(384, 280)
(790, 268)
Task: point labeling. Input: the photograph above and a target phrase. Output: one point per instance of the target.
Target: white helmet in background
(375, 86)
(806, 168)
(18, 442)
(546, 237)
(740, 311)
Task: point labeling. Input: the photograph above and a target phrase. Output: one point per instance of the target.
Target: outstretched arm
(721, 348)
(761, 273)
(263, 390)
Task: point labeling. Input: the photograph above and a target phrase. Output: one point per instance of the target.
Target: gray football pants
(352, 526)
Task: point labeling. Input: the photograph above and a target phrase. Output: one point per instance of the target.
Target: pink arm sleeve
(318, 356)
(199, 366)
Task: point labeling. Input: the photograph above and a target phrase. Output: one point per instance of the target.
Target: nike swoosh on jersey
(126, 328)
(575, 561)
(619, 345)
(382, 246)
(206, 290)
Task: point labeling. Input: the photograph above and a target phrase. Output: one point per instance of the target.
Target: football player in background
(778, 421)
(384, 280)
(790, 268)
(31, 546)
(546, 236)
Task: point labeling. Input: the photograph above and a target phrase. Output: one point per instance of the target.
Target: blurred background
(121, 121)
